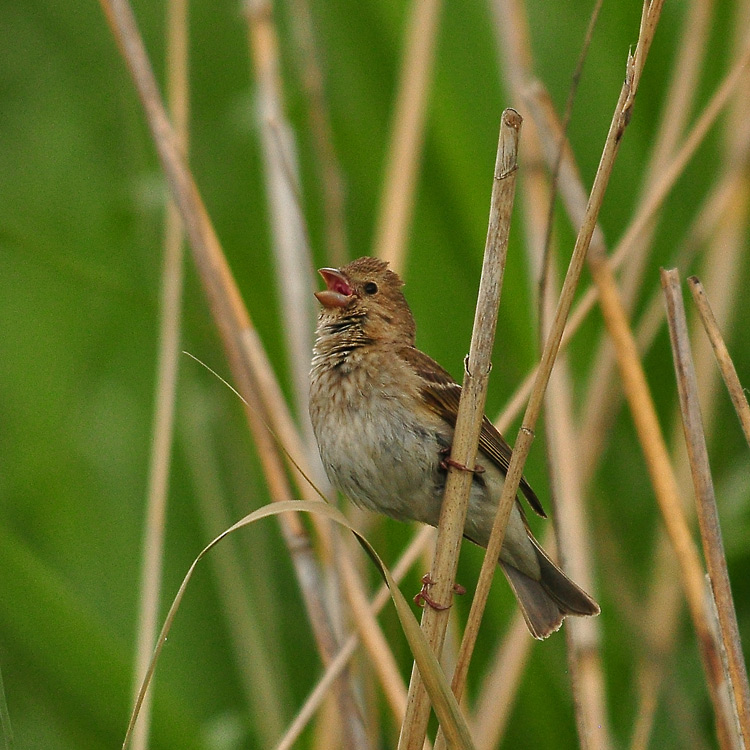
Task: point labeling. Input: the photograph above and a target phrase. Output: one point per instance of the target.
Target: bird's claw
(423, 597)
(446, 462)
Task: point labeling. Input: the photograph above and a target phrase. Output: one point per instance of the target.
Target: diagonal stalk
(468, 420)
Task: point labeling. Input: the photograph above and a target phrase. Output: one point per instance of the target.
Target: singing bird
(383, 414)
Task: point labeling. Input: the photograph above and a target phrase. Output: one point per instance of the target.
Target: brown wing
(442, 393)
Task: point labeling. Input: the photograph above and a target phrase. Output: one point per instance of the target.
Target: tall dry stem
(468, 420)
(166, 377)
(244, 352)
(523, 443)
(723, 358)
(708, 516)
(407, 134)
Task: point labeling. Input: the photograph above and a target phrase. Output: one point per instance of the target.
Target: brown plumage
(383, 414)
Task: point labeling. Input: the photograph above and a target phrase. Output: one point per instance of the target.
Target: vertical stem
(708, 516)
(329, 169)
(291, 251)
(243, 348)
(407, 135)
(166, 377)
(728, 371)
(468, 420)
(563, 446)
(660, 470)
(620, 118)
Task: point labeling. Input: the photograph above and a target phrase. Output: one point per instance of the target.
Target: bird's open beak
(338, 293)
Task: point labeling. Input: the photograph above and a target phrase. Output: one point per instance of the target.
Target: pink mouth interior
(337, 284)
(341, 287)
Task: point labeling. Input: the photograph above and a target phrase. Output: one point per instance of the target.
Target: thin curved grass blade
(444, 702)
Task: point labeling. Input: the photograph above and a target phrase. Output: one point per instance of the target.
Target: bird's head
(368, 294)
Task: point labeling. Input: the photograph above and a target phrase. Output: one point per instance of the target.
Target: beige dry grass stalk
(371, 635)
(290, 248)
(253, 646)
(407, 134)
(499, 688)
(724, 238)
(570, 515)
(523, 443)
(599, 412)
(722, 228)
(329, 169)
(649, 207)
(166, 377)
(574, 533)
(660, 468)
(708, 516)
(573, 194)
(245, 355)
(410, 555)
(723, 358)
(468, 420)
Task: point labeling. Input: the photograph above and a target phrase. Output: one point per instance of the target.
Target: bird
(383, 414)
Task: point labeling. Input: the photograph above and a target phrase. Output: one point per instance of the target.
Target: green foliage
(80, 258)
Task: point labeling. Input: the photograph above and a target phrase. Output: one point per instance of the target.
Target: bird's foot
(446, 462)
(423, 597)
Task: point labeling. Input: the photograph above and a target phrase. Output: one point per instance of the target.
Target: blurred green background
(80, 260)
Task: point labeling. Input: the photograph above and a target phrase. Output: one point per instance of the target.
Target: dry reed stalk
(513, 54)
(514, 58)
(326, 732)
(293, 257)
(244, 352)
(649, 207)
(331, 178)
(660, 469)
(265, 695)
(702, 229)
(708, 516)
(468, 421)
(407, 134)
(726, 238)
(726, 246)
(373, 639)
(502, 679)
(599, 414)
(620, 119)
(662, 604)
(498, 691)
(544, 275)
(338, 664)
(573, 531)
(167, 369)
(723, 358)
(570, 517)
(290, 247)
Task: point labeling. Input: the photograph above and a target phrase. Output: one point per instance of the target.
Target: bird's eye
(370, 287)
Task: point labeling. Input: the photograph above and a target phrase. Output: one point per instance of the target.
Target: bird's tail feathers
(546, 602)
